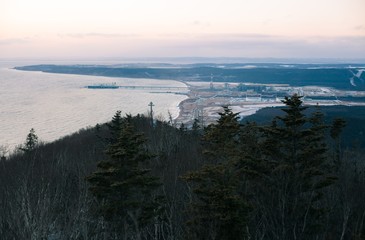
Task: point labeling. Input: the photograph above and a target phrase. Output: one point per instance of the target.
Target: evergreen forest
(137, 179)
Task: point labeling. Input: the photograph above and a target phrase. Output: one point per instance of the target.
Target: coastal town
(205, 99)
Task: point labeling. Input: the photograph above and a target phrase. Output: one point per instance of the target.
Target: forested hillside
(290, 178)
(335, 76)
(352, 135)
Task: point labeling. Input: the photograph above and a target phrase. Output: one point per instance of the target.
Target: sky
(91, 29)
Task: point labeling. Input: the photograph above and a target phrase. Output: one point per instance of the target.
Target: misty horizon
(330, 29)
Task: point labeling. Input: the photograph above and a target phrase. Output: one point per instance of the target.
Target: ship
(104, 86)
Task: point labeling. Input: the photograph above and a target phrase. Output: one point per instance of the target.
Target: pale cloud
(266, 21)
(258, 45)
(199, 23)
(11, 41)
(360, 28)
(98, 35)
(94, 45)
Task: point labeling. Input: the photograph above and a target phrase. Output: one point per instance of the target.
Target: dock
(105, 86)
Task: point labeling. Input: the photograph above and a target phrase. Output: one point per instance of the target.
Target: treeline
(334, 76)
(351, 136)
(130, 179)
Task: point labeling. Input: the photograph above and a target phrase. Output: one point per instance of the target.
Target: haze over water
(56, 105)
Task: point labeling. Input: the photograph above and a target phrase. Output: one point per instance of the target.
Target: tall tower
(151, 105)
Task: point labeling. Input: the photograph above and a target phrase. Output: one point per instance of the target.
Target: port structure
(113, 86)
(153, 87)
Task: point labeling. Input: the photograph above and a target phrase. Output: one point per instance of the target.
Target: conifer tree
(337, 126)
(221, 140)
(294, 148)
(125, 190)
(182, 128)
(31, 142)
(196, 127)
(249, 163)
(219, 211)
(115, 126)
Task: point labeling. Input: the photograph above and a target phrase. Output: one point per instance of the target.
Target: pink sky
(169, 28)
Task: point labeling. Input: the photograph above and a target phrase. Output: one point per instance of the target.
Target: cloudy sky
(170, 28)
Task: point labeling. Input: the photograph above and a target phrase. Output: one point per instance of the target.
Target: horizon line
(199, 59)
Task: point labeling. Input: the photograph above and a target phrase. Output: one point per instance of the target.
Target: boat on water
(104, 86)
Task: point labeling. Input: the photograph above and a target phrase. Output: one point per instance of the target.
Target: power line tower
(151, 105)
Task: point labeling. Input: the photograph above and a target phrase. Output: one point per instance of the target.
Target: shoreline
(57, 105)
(204, 104)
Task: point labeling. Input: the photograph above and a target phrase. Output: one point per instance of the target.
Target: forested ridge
(133, 179)
(333, 75)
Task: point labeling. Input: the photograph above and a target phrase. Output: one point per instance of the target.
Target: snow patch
(359, 72)
(352, 82)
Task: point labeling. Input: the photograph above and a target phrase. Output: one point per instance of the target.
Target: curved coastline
(56, 105)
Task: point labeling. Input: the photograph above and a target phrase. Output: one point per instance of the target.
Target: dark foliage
(125, 190)
(220, 210)
(292, 179)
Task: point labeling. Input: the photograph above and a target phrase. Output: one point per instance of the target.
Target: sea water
(56, 105)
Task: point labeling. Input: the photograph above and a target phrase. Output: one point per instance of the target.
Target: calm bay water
(56, 105)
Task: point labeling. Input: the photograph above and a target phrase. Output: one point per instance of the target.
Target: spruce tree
(337, 126)
(31, 142)
(124, 188)
(196, 126)
(220, 140)
(294, 148)
(219, 211)
(115, 127)
(249, 162)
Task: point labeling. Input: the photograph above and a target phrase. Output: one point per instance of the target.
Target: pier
(113, 86)
(153, 88)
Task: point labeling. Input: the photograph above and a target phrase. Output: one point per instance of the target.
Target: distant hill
(340, 76)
